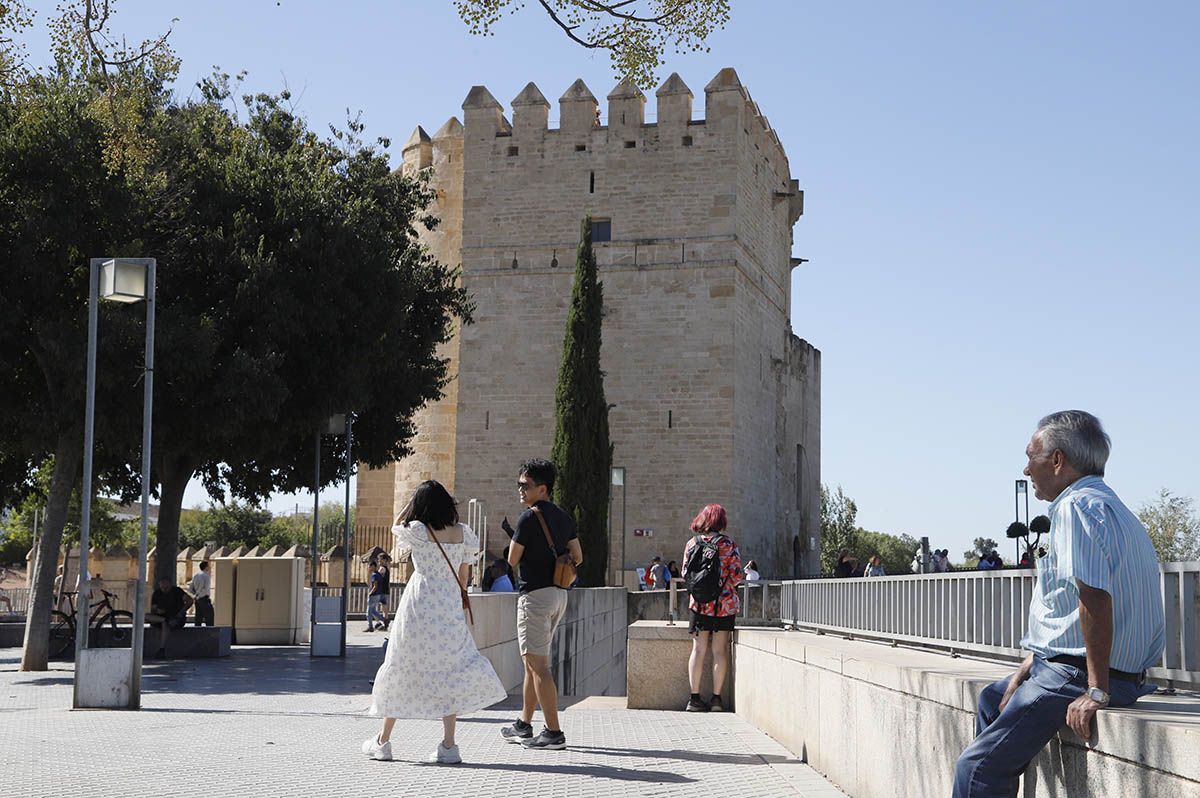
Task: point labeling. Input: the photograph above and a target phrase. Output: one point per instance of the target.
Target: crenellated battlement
(729, 109)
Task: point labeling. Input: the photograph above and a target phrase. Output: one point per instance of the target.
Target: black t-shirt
(537, 561)
(170, 603)
(385, 581)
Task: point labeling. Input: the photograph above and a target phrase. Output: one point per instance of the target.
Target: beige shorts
(538, 615)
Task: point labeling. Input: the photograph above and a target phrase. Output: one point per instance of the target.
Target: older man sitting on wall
(1095, 620)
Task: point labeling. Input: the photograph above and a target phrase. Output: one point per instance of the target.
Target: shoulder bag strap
(545, 529)
(465, 599)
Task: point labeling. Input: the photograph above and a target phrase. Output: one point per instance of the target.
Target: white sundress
(432, 667)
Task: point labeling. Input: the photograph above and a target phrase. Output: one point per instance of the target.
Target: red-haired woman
(713, 553)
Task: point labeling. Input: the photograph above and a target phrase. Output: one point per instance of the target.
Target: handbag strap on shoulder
(545, 529)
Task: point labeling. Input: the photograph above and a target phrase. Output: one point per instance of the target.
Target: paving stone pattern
(273, 721)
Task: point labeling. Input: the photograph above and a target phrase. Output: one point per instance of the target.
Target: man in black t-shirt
(168, 610)
(540, 605)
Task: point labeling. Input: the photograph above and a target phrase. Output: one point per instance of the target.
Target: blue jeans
(375, 609)
(1006, 742)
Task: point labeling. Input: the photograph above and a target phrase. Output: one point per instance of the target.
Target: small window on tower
(629, 145)
(601, 230)
(512, 151)
(687, 141)
(580, 148)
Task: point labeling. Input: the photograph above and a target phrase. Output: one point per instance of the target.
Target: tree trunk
(68, 455)
(176, 471)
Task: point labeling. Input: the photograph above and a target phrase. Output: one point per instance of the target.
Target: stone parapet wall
(881, 721)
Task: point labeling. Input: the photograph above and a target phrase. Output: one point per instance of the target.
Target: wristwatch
(1097, 695)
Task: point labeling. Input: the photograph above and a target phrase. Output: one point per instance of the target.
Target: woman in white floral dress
(432, 668)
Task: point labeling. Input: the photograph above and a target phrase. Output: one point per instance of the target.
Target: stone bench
(883, 721)
(12, 633)
(190, 642)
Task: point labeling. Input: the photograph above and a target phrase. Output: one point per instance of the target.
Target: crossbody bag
(565, 572)
(466, 599)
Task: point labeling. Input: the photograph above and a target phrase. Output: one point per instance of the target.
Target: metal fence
(19, 596)
(356, 597)
(975, 612)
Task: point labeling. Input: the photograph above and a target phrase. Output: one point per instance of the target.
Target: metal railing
(19, 596)
(975, 612)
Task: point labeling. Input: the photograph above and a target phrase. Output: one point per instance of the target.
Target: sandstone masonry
(713, 398)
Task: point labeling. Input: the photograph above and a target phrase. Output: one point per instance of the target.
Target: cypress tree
(582, 453)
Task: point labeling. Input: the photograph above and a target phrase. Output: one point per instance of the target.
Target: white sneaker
(377, 750)
(446, 756)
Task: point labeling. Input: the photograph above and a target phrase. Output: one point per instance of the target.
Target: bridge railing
(976, 612)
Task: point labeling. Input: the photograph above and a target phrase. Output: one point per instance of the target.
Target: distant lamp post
(103, 679)
(1021, 489)
(618, 481)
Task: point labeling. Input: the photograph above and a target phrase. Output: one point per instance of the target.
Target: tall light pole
(1021, 488)
(618, 480)
(102, 679)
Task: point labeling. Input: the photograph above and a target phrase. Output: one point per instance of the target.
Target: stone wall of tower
(382, 493)
(713, 399)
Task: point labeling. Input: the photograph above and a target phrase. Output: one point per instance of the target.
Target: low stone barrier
(658, 667)
(589, 649)
(883, 721)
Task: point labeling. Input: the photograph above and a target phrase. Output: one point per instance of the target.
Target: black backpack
(703, 569)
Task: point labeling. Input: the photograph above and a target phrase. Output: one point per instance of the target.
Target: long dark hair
(433, 506)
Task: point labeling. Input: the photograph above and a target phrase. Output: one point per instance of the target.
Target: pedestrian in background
(712, 567)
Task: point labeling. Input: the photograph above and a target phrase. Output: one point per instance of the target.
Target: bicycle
(62, 624)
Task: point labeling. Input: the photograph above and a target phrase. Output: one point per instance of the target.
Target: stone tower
(713, 398)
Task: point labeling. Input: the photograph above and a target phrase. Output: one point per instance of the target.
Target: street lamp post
(618, 480)
(1021, 488)
(319, 641)
(101, 678)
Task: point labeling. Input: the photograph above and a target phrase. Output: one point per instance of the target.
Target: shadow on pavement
(594, 771)
(689, 756)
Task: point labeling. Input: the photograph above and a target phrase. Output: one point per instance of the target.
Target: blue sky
(1001, 208)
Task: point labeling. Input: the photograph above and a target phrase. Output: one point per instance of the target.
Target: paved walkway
(273, 722)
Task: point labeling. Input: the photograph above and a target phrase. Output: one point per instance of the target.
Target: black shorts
(710, 623)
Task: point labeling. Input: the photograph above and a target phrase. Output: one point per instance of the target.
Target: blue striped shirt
(1096, 539)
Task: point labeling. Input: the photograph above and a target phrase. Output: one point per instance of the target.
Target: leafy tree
(60, 202)
(233, 524)
(636, 33)
(582, 452)
(291, 285)
(983, 547)
(1174, 526)
(838, 529)
(895, 551)
(296, 287)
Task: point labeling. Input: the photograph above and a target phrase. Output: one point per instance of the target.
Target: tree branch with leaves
(636, 33)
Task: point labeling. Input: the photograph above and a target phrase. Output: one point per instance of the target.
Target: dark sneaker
(547, 741)
(696, 705)
(517, 732)
(715, 705)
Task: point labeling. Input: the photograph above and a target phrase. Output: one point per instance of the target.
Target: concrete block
(102, 678)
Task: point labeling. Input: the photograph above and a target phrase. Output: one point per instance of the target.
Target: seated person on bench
(168, 610)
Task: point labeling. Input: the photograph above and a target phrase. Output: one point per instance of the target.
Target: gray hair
(1079, 436)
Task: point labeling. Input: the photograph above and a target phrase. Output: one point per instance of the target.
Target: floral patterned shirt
(729, 602)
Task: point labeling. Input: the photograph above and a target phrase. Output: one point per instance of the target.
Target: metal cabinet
(268, 600)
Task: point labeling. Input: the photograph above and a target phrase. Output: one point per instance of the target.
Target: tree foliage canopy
(1174, 526)
(838, 528)
(636, 33)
